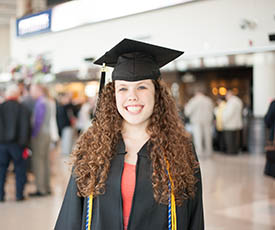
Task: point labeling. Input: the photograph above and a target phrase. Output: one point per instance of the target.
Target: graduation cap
(134, 61)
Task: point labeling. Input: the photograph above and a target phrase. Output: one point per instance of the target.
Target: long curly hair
(169, 142)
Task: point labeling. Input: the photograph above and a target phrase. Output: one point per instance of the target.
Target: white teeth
(133, 108)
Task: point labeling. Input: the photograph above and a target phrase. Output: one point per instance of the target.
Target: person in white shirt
(200, 111)
(232, 122)
(86, 114)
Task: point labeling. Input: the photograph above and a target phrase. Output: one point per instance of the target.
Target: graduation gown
(146, 213)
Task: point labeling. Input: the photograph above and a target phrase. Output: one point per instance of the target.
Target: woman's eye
(122, 89)
(142, 87)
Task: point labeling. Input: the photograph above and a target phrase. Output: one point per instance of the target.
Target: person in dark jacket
(135, 167)
(14, 138)
(270, 123)
(66, 114)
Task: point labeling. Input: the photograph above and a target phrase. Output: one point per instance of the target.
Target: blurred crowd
(216, 125)
(32, 124)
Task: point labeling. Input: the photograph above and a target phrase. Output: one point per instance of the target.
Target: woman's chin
(135, 121)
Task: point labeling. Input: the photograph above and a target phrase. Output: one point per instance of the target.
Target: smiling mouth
(134, 109)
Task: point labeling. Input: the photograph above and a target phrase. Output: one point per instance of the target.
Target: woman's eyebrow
(119, 85)
(142, 83)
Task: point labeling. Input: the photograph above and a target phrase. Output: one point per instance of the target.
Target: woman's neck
(134, 132)
(134, 138)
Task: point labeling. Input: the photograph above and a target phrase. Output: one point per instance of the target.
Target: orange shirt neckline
(128, 164)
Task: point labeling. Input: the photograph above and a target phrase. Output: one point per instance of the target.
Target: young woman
(136, 159)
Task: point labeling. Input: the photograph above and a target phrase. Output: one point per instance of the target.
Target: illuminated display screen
(34, 24)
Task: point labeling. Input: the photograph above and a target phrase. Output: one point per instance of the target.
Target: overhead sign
(34, 24)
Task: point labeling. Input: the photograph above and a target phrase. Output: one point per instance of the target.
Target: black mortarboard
(134, 60)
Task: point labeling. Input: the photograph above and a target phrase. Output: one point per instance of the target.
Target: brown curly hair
(168, 141)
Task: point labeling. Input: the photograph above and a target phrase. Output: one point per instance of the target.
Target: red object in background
(25, 154)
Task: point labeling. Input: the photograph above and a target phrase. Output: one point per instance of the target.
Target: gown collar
(120, 148)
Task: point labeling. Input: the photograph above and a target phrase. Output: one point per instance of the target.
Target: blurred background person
(14, 138)
(86, 114)
(53, 123)
(66, 119)
(40, 141)
(232, 122)
(27, 99)
(270, 123)
(29, 102)
(54, 136)
(21, 86)
(199, 109)
(218, 111)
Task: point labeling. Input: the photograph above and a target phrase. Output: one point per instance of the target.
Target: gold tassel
(90, 211)
(173, 201)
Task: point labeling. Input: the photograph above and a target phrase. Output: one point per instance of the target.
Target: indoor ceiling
(7, 10)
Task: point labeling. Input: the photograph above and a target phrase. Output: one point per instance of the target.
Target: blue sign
(34, 24)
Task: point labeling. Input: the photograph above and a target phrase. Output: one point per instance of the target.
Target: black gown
(146, 213)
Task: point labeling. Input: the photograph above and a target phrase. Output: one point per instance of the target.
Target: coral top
(128, 182)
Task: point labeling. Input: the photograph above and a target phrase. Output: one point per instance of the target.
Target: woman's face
(135, 100)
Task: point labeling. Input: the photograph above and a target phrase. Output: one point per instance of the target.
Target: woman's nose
(132, 95)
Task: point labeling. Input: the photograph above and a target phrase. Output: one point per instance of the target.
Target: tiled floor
(236, 196)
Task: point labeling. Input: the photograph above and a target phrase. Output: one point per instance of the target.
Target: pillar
(263, 82)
